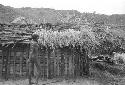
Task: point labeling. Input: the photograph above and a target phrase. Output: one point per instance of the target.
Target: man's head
(35, 37)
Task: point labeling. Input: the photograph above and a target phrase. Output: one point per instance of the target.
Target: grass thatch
(86, 37)
(70, 37)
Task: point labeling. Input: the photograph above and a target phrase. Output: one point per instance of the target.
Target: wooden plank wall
(54, 63)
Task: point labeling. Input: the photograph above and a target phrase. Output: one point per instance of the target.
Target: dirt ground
(97, 77)
(78, 81)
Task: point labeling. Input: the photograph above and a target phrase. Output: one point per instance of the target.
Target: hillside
(38, 15)
(7, 14)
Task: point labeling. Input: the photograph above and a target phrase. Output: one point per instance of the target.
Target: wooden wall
(54, 63)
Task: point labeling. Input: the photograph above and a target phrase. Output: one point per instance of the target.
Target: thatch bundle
(70, 37)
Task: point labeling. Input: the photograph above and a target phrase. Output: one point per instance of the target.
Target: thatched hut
(67, 51)
(62, 54)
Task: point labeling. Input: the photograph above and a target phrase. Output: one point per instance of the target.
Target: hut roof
(85, 37)
(68, 37)
(50, 38)
(10, 35)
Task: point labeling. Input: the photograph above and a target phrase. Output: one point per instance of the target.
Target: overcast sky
(100, 6)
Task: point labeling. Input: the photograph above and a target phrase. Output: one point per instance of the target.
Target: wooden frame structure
(61, 62)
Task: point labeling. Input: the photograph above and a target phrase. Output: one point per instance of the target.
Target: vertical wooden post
(44, 62)
(87, 63)
(27, 66)
(54, 63)
(3, 54)
(58, 63)
(5, 63)
(2, 61)
(53, 75)
(58, 60)
(48, 64)
(61, 63)
(21, 63)
(69, 65)
(79, 63)
(47, 69)
(73, 67)
(14, 64)
(8, 62)
(62, 59)
(66, 65)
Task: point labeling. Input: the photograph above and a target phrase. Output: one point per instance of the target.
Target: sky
(99, 6)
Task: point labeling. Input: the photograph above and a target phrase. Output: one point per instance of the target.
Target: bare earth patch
(79, 81)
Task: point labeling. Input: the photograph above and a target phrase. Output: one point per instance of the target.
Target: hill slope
(38, 15)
